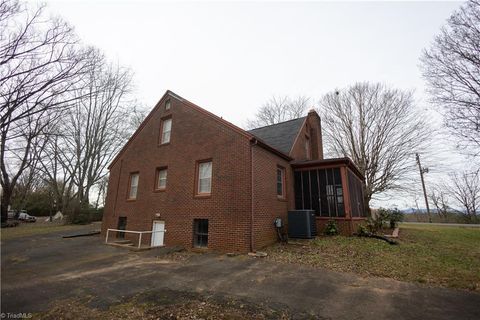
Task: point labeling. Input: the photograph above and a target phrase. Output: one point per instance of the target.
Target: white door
(157, 237)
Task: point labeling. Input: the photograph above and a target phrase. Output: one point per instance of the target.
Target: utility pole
(422, 171)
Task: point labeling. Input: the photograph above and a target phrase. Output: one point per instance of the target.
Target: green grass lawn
(438, 255)
(37, 228)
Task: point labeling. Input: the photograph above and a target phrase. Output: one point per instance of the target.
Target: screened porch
(333, 188)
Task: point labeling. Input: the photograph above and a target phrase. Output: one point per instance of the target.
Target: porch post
(346, 197)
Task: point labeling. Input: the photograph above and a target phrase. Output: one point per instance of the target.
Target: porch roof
(328, 162)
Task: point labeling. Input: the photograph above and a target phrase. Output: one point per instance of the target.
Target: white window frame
(160, 178)
(166, 130)
(206, 176)
(133, 189)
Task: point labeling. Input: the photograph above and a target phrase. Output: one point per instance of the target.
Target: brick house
(211, 184)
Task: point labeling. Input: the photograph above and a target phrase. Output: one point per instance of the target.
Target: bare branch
(465, 189)
(279, 109)
(451, 67)
(41, 64)
(378, 128)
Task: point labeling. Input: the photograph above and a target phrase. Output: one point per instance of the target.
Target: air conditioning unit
(301, 224)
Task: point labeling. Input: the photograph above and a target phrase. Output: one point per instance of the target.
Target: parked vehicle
(23, 216)
(11, 214)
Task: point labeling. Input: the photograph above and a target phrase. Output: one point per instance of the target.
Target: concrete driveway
(39, 270)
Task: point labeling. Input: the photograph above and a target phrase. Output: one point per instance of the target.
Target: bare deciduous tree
(439, 198)
(90, 135)
(451, 68)
(279, 109)
(137, 115)
(102, 192)
(40, 63)
(26, 184)
(378, 128)
(54, 167)
(465, 189)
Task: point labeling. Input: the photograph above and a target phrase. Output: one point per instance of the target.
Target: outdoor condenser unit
(301, 224)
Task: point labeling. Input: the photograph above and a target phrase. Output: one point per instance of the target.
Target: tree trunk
(6, 197)
(366, 204)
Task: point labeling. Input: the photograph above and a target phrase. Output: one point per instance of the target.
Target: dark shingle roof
(281, 136)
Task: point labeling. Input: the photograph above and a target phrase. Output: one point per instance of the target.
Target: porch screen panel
(307, 204)
(331, 197)
(322, 180)
(331, 193)
(298, 190)
(353, 195)
(314, 191)
(352, 187)
(339, 192)
(320, 190)
(355, 186)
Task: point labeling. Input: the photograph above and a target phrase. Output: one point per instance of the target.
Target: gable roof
(233, 127)
(282, 135)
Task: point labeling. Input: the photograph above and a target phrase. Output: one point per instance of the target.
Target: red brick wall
(312, 129)
(267, 205)
(195, 136)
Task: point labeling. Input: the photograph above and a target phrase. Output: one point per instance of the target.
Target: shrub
(81, 218)
(362, 230)
(394, 216)
(372, 225)
(384, 216)
(87, 215)
(331, 229)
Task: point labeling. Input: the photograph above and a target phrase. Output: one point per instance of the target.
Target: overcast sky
(231, 57)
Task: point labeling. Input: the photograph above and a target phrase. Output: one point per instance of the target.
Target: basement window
(200, 233)
(122, 225)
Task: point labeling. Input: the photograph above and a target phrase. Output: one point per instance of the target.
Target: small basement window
(200, 233)
(122, 225)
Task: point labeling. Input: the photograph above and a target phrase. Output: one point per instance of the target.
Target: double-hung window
(132, 192)
(204, 183)
(161, 179)
(166, 130)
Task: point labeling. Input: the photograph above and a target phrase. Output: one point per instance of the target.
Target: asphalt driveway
(39, 270)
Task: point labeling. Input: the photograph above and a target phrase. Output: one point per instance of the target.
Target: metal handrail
(131, 231)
